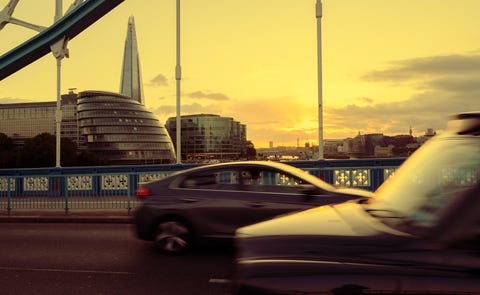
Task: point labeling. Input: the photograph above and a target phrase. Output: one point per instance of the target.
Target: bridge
(69, 26)
(113, 187)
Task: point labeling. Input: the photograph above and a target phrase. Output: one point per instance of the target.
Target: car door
(271, 192)
(216, 203)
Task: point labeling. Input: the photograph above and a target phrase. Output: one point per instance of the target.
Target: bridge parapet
(113, 187)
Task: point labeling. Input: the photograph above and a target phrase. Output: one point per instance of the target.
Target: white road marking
(66, 270)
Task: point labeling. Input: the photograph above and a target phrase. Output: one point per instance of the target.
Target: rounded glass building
(121, 131)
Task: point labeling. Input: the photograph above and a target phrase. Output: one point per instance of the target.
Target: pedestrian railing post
(129, 194)
(65, 192)
(9, 205)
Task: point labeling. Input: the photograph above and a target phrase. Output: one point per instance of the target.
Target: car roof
(239, 164)
(465, 123)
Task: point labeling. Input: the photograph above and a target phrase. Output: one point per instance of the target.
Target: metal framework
(81, 15)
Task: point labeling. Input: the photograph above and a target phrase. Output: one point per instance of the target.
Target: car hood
(333, 229)
(346, 219)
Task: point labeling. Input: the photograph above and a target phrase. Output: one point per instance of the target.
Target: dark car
(419, 234)
(209, 203)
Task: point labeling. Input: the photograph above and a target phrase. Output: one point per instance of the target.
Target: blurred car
(208, 203)
(419, 234)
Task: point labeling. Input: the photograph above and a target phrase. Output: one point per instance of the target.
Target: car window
(266, 177)
(210, 179)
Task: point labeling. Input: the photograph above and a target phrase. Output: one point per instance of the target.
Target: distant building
(383, 152)
(208, 137)
(333, 148)
(354, 147)
(429, 133)
(22, 121)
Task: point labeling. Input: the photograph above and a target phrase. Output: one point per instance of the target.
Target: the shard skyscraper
(131, 80)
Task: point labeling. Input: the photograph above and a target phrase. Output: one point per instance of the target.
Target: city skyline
(387, 65)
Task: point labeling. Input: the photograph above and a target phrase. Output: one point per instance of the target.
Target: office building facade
(210, 137)
(120, 129)
(22, 121)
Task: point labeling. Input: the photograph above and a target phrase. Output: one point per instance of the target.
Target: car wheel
(173, 236)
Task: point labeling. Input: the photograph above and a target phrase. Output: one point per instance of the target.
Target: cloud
(444, 85)
(204, 95)
(13, 100)
(159, 80)
(367, 100)
(428, 109)
(412, 69)
(166, 111)
(456, 84)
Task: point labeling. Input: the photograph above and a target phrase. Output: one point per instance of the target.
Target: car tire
(173, 236)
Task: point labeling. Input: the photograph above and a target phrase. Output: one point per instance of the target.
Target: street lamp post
(59, 51)
(178, 78)
(318, 12)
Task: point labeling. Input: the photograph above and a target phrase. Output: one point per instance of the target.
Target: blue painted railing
(113, 187)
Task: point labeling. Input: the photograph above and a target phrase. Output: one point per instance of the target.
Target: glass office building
(22, 121)
(209, 137)
(122, 130)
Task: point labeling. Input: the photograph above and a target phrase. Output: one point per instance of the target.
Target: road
(60, 258)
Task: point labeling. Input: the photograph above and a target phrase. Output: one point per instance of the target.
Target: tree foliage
(7, 152)
(40, 151)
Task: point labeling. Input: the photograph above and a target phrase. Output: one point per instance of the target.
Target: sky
(387, 65)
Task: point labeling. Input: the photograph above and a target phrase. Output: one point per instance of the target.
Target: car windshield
(427, 183)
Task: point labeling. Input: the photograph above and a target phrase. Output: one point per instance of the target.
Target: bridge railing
(94, 188)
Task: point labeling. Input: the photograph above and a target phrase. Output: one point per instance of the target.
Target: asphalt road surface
(66, 258)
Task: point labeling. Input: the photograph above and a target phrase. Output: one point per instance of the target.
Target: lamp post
(59, 51)
(318, 12)
(178, 78)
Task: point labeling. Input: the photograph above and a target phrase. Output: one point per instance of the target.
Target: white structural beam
(59, 51)
(318, 13)
(178, 78)
(6, 18)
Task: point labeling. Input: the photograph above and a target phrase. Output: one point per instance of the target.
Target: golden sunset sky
(388, 65)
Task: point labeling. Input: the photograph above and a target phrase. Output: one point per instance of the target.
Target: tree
(40, 151)
(68, 153)
(249, 151)
(86, 158)
(7, 152)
